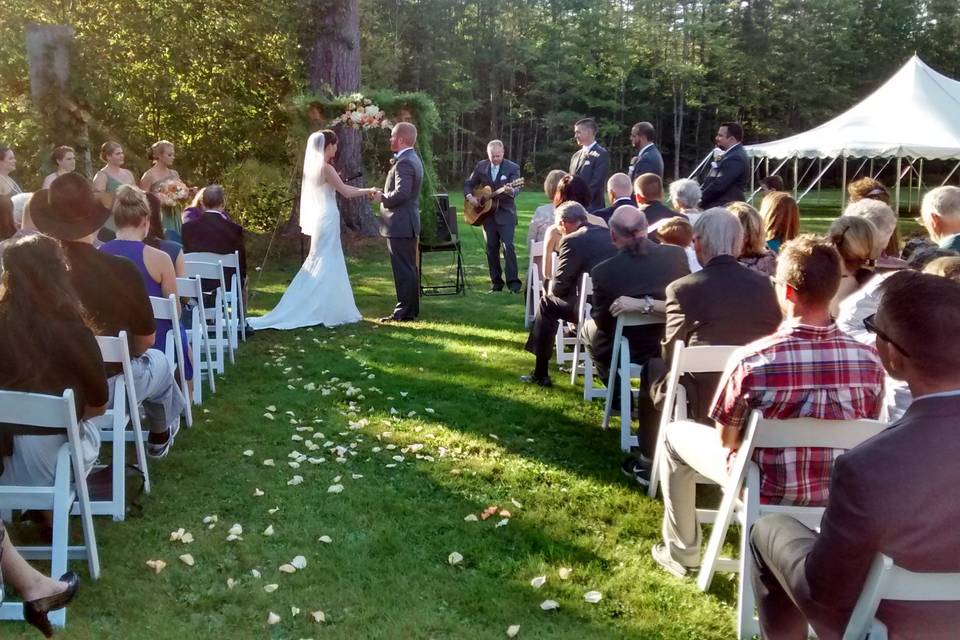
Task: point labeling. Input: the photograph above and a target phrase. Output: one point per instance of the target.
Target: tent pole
(872, 174)
(950, 175)
(896, 196)
(920, 181)
(820, 171)
(753, 174)
(843, 186)
(796, 175)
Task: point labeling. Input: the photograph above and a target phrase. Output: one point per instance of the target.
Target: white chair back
(699, 359)
(534, 280)
(191, 289)
(233, 295)
(169, 309)
(70, 486)
(887, 581)
(125, 410)
(217, 315)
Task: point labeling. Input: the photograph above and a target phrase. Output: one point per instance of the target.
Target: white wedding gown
(320, 292)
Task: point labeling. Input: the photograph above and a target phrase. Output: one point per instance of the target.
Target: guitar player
(499, 228)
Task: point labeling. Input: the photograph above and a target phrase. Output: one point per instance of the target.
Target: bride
(320, 292)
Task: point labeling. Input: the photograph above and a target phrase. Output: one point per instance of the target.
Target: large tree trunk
(333, 65)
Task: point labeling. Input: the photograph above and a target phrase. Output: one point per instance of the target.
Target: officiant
(497, 173)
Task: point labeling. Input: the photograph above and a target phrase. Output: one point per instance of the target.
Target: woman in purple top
(131, 215)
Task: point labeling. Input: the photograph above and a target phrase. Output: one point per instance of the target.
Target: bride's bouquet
(361, 113)
(172, 192)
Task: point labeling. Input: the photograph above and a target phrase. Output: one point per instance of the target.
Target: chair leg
(747, 624)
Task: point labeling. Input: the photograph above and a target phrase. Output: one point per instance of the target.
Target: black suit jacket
(606, 212)
(578, 253)
(593, 167)
(481, 176)
(211, 232)
(646, 273)
(725, 303)
(726, 182)
(647, 161)
(893, 494)
(657, 211)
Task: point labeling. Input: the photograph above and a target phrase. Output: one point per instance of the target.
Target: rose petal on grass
(255, 573)
(257, 492)
(176, 535)
(516, 503)
(273, 618)
(156, 565)
(273, 510)
(269, 462)
(235, 530)
(335, 488)
(503, 523)
(318, 616)
(593, 597)
(294, 611)
(294, 481)
(248, 452)
(187, 559)
(186, 538)
(271, 408)
(549, 605)
(287, 568)
(455, 558)
(504, 513)
(538, 582)
(471, 517)
(299, 562)
(268, 531)
(270, 588)
(564, 572)
(325, 539)
(268, 415)
(513, 630)
(231, 583)
(210, 519)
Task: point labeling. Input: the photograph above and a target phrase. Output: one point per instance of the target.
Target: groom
(400, 220)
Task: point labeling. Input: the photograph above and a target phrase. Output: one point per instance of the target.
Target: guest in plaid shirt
(807, 368)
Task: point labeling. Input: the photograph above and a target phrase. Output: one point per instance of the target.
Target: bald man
(620, 192)
(400, 220)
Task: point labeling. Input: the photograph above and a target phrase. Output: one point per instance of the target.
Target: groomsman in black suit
(728, 176)
(648, 158)
(591, 162)
(499, 228)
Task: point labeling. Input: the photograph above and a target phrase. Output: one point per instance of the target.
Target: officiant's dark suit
(592, 164)
(579, 251)
(500, 227)
(400, 225)
(645, 271)
(726, 181)
(648, 160)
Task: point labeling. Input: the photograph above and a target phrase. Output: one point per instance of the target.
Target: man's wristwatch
(647, 305)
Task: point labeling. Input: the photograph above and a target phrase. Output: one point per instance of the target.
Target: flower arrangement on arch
(361, 113)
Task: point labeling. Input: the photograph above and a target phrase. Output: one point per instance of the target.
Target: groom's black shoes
(533, 378)
(394, 318)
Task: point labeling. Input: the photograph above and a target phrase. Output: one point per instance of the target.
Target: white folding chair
(191, 289)
(887, 581)
(566, 346)
(125, 410)
(218, 316)
(534, 281)
(580, 353)
(168, 309)
(69, 486)
(233, 295)
(620, 362)
(763, 433)
(700, 359)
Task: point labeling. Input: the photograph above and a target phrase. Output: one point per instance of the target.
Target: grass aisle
(436, 428)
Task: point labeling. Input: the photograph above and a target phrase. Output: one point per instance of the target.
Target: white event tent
(913, 116)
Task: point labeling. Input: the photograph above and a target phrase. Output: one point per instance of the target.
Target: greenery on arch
(317, 111)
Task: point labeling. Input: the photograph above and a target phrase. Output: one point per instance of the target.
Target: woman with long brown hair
(781, 218)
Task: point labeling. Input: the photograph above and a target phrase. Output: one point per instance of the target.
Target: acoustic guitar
(486, 202)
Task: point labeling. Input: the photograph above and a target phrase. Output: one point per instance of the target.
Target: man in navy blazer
(893, 494)
(728, 176)
(648, 158)
(498, 229)
(591, 162)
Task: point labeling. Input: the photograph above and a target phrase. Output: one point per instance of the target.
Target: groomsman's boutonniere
(594, 154)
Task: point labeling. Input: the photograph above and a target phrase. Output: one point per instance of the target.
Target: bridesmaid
(65, 158)
(8, 164)
(109, 179)
(164, 181)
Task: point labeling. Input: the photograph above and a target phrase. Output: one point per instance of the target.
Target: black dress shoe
(495, 290)
(533, 378)
(515, 290)
(396, 319)
(35, 611)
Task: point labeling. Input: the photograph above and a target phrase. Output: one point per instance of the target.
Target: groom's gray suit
(400, 225)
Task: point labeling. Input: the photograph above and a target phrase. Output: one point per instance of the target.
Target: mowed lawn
(405, 434)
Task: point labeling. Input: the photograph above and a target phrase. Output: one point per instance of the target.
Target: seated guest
(570, 188)
(807, 368)
(854, 239)
(678, 232)
(947, 267)
(940, 212)
(640, 269)
(648, 188)
(581, 248)
(723, 304)
(46, 346)
(131, 218)
(620, 192)
(214, 232)
(771, 183)
(867, 189)
(113, 294)
(781, 218)
(885, 222)
(755, 252)
(156, 236)
(543, 216)
(887, 495)
(685, 198)
(7, 225)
